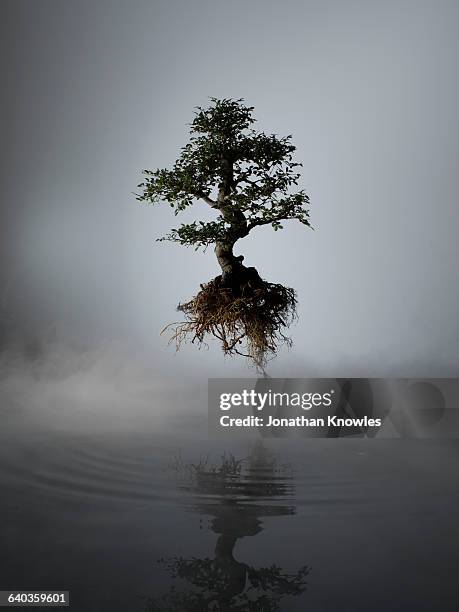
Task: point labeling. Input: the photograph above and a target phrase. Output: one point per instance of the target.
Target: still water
(141, 522)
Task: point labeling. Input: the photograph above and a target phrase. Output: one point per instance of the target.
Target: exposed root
(250, 322)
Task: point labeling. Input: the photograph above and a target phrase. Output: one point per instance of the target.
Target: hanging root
(248, 322)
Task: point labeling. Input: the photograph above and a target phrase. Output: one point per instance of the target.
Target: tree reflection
(237, 494)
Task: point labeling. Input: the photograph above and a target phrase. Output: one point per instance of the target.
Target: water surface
(137, 521)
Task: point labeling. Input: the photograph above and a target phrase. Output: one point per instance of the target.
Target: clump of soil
(249, 319)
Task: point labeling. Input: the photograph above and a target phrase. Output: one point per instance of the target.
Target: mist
(94, 93)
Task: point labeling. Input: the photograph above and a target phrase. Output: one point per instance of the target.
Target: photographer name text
(299, 421)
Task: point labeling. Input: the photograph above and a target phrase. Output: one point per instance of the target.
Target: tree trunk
(235, 572)
(226, 259)
(235, 276)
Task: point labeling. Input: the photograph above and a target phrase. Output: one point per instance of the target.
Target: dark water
(142, 522)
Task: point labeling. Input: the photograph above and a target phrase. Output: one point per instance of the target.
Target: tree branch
(266, 221)
(207, 199)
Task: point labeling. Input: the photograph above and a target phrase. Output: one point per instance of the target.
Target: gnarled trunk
(235, 275)
(235, 572)
(229, 264)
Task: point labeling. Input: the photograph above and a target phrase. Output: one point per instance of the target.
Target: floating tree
(248, 178)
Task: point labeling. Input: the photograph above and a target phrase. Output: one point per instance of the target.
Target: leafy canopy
(245, 175)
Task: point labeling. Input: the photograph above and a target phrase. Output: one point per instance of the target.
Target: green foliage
(245, 175)
(197, 234)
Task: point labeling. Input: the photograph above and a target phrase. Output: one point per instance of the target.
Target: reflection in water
(237, 494)
(91, 513)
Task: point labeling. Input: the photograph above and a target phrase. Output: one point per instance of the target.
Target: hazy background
(93, 404)
(93, 92)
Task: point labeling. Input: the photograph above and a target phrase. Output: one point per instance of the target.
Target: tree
(247, 178)
(247, 491)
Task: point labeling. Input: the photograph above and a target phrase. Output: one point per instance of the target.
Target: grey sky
(95, 91)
